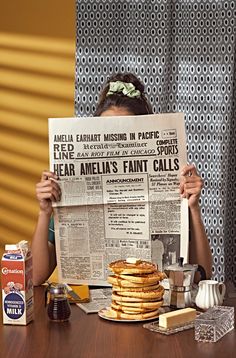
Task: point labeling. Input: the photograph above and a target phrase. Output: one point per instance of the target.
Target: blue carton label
(13, 256)
(14, 306)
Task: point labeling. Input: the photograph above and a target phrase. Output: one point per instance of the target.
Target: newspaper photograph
(119, 178)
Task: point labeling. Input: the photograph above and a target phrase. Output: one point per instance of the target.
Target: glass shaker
(58, 307)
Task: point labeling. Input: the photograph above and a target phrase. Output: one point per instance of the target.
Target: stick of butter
(133, 260)
(175, 318)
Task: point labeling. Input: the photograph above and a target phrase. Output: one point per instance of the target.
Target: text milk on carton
(17, 284)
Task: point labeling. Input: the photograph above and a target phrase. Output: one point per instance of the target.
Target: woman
(123, 95)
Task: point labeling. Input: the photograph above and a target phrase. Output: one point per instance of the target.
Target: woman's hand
(47, 191)
(190, 185)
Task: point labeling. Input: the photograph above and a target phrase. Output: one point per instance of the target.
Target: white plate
(101, 314)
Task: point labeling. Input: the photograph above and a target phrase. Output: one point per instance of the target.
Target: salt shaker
(58, 307)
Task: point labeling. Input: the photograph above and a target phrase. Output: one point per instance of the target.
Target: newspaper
(119, 178)
(99, 298)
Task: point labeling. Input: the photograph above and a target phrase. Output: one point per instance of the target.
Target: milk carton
(17, 285)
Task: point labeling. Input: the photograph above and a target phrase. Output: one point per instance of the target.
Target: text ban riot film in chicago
(119, 178)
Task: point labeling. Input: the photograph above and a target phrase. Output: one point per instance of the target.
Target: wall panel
(36, 82)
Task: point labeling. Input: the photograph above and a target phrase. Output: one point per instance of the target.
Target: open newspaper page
(99, 298)
(119, 178)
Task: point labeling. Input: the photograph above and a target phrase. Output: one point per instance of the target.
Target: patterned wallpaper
(184, 52)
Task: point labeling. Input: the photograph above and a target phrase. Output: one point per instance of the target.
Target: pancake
(147, 305)
(150, 278)
(118, 281)
(126, 309)
(133, 289)
(126, 268)
(148, 295)
(116, 314)
(118, 297)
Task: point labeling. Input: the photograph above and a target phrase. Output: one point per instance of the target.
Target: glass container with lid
(58, 307)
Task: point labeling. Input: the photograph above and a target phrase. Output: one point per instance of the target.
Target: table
(89, 336)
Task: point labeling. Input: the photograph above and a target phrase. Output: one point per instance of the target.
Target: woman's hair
(135, 104)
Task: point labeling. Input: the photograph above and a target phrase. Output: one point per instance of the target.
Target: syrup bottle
(58, 308)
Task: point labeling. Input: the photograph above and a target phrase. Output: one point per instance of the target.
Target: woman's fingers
(190, 184)
(53, 193)
(47, 184)
(48, 191)
(189, 170)
(190, 181)
(48, 188)
(46, 196)
(47, 174)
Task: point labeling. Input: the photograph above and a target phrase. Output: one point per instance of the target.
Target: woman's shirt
(51, 231)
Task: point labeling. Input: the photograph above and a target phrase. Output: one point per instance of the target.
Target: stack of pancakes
(136, 292)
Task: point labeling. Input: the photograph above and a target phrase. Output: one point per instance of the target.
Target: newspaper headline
(120, 192)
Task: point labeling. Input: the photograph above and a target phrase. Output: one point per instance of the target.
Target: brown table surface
(87, 335)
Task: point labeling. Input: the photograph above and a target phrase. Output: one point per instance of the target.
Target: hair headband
(128, 89)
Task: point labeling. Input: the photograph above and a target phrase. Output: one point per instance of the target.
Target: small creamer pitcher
(210, 293)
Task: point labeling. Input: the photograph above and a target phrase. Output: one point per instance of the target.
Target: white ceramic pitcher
(209, 294)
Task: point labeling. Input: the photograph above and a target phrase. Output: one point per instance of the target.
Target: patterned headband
(128, 89)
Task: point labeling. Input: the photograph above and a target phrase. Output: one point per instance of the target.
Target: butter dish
(154, 326)
(174, 321)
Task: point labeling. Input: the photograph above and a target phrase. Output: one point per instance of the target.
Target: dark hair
(136, 105)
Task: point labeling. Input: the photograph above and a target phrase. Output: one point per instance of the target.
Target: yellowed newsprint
(120, 192)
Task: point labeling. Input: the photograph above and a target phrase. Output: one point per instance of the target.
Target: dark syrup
(59, 309)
